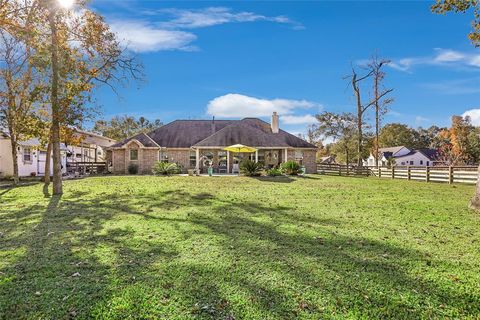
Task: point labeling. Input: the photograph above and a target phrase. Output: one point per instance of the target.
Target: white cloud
(441, 57)
(305, 119)
(474, 115)
(140, 36)
(419, 120)
(234, 105)
(449, 56)
(207, 17)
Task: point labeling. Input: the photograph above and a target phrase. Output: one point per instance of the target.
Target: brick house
(199, 143)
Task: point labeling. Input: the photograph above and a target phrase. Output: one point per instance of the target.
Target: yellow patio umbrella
(240, 148)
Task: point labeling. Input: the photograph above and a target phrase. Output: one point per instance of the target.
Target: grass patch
(239, 248)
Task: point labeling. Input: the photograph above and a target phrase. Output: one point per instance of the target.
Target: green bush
(166, 168)
(251, 168)
(274, 172)
(291, 168)
(132, 168)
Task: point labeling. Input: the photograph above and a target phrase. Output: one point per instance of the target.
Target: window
(403, 163)
(299, 156)
(261, 156)
(222, 158)
(193, 159)
(27, 155)
(421, 162)
(411, 163)
(428, 163)
(163, 156)
(133, 154)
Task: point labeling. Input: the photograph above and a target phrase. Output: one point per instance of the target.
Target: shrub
(132, 168)
(274, 172)
(251, 168)
(166, 168)
(291, 168)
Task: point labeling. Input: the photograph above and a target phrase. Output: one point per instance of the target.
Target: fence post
(379, 171)
(408, 173)
(427, 173)
(393, 172)
(450, 175)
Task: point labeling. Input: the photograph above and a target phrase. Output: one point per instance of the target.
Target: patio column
(197, 157)
(256, 156)
(228, 161)
(286, 155)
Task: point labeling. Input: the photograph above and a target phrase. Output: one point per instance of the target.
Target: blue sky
(234, 59)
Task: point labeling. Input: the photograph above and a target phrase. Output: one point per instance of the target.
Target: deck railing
(451, 174)
(86, 167)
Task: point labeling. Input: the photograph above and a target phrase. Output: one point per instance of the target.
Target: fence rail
(86, 167)
(453, 174)
(343, 170)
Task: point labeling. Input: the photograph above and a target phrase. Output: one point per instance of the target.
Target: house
(31, 155)
(327, 160)
(199, 143)
(402, 156)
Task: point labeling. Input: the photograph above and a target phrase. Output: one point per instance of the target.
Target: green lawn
(240, 248)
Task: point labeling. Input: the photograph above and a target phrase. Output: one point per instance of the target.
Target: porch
(226, 162)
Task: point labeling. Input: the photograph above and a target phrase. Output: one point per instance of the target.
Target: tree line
(458, 144)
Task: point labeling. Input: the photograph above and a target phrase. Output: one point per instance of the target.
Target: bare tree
(381, 103)
(361, 108)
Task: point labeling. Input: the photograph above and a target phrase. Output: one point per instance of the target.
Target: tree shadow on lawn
(234, 261)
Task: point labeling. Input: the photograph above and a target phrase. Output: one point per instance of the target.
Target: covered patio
(226, 162)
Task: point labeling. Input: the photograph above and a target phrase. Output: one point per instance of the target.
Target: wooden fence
(343, 170)
(454, 174)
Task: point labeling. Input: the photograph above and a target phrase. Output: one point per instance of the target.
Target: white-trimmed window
(27, 155)
(299, 156)
(133, 154)
(193, 159)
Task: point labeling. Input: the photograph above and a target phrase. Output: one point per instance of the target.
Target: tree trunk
(356, 89)
(57, 165)
(14, 145)
(475, 202)
(46, 178)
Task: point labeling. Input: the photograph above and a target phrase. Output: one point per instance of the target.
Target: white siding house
(31, 156)
(385, 154)
(414, 158)
(403, 156)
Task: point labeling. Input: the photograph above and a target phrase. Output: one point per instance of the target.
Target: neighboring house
(31, 155)
(327, 160)
(403, 156)
(198, 143)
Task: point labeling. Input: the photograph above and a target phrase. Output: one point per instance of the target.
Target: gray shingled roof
(220, 133)
(141, 137)
(254, 133)
(393, 150)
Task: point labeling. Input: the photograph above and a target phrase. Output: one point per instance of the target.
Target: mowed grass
(143, 247)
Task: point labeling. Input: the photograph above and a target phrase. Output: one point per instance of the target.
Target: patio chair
(236, 168)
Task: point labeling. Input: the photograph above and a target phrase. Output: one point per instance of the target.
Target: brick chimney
(274, 123)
